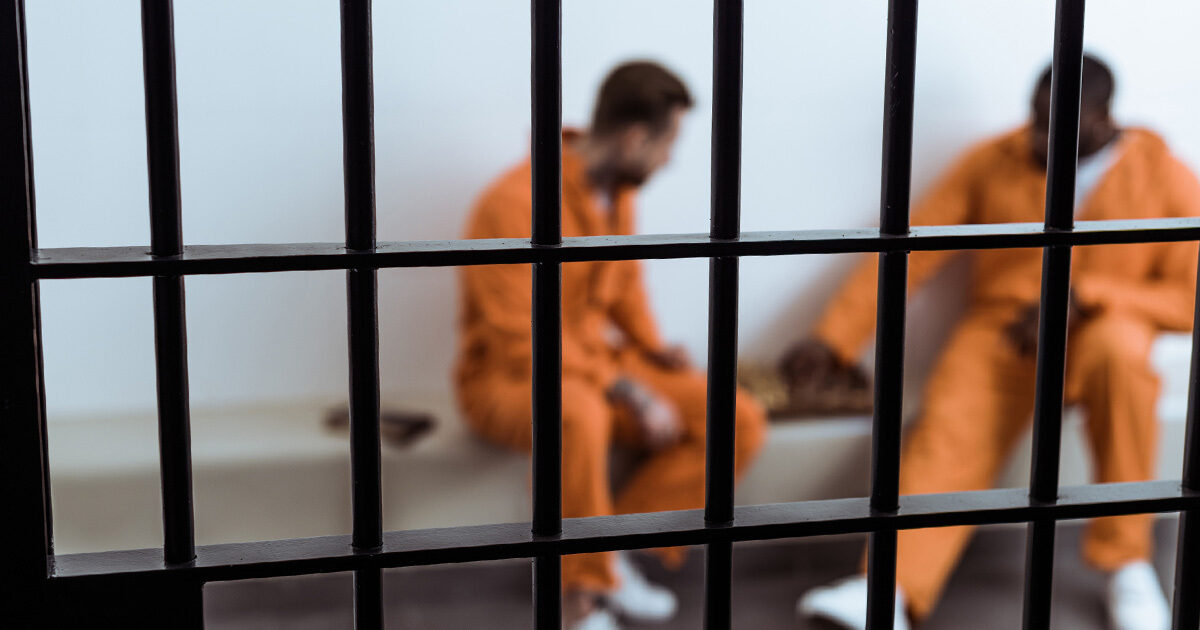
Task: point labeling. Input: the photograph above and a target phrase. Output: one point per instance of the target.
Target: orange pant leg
(673, 478)
(1109, 372)
(977, 404)
(500, 410)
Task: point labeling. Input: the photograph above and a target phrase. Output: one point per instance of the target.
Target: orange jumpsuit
(608, 330)
(980, 396)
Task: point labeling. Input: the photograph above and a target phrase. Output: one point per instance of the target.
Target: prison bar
(166, 239)
(275, 558)
(723, 307)
(546, 231)
(1186, 609)
(1065, 86)
(896, 177)
(120, 262)
(24, 486)
(362, 303)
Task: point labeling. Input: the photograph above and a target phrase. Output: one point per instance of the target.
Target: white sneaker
(598, 619)
(1136, 600)
(636, 598)
(845, 602)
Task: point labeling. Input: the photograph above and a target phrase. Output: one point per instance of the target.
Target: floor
(984, 594)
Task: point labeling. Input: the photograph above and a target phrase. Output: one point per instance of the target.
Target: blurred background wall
(260, 134)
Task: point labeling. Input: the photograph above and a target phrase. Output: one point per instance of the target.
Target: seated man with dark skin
(620, 382)
(979, 399)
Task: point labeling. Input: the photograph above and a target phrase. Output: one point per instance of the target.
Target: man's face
(1095, 127)
(642, 151)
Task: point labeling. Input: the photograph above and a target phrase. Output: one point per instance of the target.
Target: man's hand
(1022, 333)
(670, 358)
(811, 363)
(658, 418)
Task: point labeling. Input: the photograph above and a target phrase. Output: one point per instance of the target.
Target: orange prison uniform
(980, 396)
(598, 299)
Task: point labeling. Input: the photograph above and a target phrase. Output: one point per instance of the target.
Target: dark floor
(984, 594)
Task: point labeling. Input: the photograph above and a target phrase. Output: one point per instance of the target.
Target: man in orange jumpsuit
(620, 382)
(979, 399)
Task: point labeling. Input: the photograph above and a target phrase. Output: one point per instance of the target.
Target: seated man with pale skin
(621, 383)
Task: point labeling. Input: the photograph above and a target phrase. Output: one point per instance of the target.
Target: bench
(274, 471)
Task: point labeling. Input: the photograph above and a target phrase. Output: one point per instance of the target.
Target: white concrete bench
(274, 472)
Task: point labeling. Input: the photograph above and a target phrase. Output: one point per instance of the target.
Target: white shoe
(636, 598)
(598, 619)
(845, 602)
(1136, 600)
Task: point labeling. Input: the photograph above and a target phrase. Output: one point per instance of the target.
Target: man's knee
(1108, 342)
(586, 415)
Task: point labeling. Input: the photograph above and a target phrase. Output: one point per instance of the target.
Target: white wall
(259, 106)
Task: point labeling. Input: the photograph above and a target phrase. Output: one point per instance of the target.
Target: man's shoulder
(504, 206)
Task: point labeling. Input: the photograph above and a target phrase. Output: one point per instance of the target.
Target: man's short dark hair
(1098, 83)
(638, 92)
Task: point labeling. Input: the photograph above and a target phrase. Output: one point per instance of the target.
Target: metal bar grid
(180, 569)
(896, 176)
(546, 231)
(723, 307)
(1066, 82)
(24, 482)
(170, 316)
(362, 301)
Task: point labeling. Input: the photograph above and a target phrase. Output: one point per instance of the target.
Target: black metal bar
(37, 299)
(547, 399)
(1186, 613)
(718, 584)
(362, 303)
(162, 129)
(546, 231)
(896, 178)
(174, 435)
(166, 240)
(363, 331)
(368, 598)
(722, 389)
(358, 124)
(546, 115)
(726, 178)
(24, 487)
(635, 531)
(1066, 83)
(726, 183)
(547, 592)
(113, 262)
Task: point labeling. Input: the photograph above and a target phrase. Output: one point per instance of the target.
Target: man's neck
(597, 161)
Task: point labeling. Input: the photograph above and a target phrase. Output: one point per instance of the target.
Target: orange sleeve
(631, 312)
(849, 320)
(503, 296)
(1167, 299)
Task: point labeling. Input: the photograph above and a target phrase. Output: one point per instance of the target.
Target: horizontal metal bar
(631, 531)
(115, 262)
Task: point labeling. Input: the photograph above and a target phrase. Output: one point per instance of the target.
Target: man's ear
(633, 138)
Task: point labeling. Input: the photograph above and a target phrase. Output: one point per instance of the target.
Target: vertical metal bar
(546, 115)
(368, 598)
(1066, 84)
(37, 298)
(362, 300)
(1186, 614)
(166, 239)
(896, 178)
(728, 29)
(23, 466)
